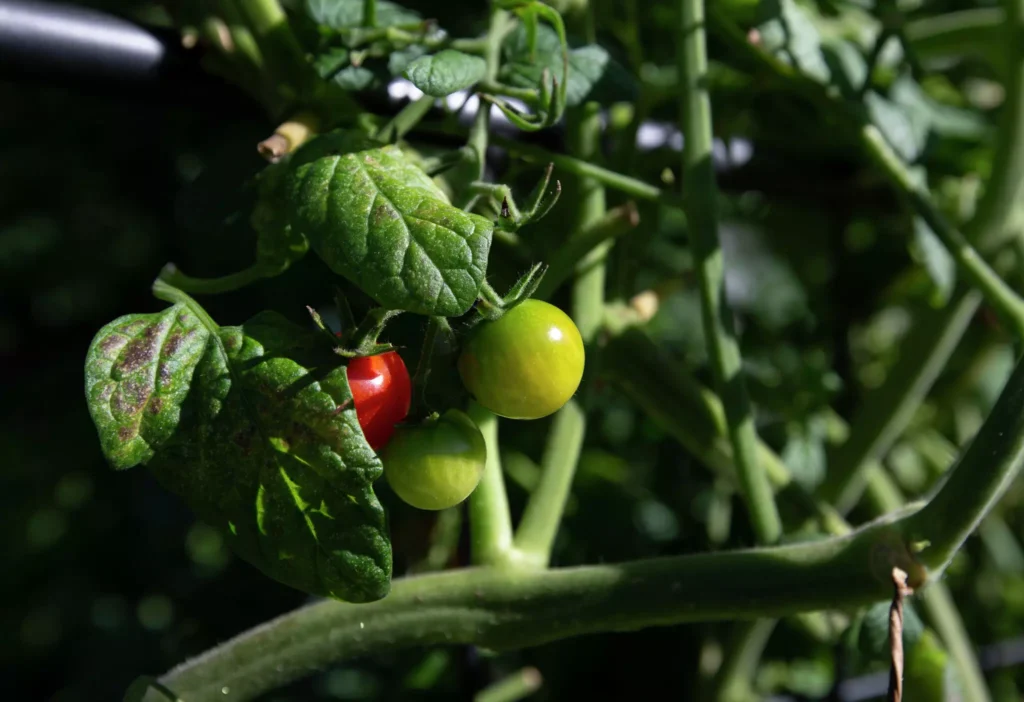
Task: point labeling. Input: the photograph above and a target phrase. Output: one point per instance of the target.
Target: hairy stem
(701, 208)
(212, 286)
(478, 133)
(536, 533)
(583, 132)
(489, 521)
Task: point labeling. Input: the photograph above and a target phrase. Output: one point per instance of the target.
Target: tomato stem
(701, 206)
(489, 521)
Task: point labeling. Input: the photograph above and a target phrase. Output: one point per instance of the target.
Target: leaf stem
(538, 528)
(489, 520)
(734, 680)
(407, 118)
(701, 206)
(943, 615)
(212, 286)
(478, 133)
(162, 290)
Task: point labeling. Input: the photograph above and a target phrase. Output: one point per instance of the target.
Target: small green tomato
(526, 364)
(436, 464)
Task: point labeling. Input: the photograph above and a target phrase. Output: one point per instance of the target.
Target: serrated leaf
(446, 72)
(346, 14)
(788, 31)
(936, 259)
(259, 436)
(593, 73)
(381, 222)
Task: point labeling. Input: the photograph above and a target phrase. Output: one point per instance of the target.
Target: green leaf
(593, 73)
(399, 60)
(278, 244)
(346, 14)
(874, 631)
(254, 427)
(381, 222)
(789, 32)
(446, 72)
(137, 374)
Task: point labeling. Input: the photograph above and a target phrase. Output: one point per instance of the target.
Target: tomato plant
(437, 464)
(526, 364)
(707, 277)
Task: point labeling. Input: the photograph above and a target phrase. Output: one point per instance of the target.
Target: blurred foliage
(108, 577)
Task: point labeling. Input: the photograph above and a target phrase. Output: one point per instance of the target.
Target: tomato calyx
(354, 341)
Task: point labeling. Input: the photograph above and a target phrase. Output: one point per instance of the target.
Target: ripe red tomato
(381, 392)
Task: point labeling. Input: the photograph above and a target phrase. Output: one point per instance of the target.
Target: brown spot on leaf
(137, 354)
(125, 433)
(382, 213)
(156, 405)
(111, 343)
(173, 343)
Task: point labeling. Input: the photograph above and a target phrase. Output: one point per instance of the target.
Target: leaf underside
(255, 428)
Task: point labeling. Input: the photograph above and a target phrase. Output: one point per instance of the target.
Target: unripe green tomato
(437, 464)
(525, 364)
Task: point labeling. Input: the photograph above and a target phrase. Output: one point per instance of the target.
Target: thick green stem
(583, 132)
(965, 496)
(701, 206)
(885, 412)
(536, 533)
(502, 609)
(489, 521)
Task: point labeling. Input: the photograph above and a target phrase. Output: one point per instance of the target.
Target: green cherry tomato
(437, 464)
(526, 364)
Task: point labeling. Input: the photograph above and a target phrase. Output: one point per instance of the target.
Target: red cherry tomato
(381, 391)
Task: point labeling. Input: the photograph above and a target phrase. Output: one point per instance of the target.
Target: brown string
(900, 590)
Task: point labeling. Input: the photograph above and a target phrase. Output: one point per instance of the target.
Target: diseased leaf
(381, 222)
(593, 73)
(346, 14)
(137, 374)
(255, 429)
(446, 72)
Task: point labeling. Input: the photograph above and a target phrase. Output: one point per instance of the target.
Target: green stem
(504, 609)
(517, 686)
(162, 290)
(580, 167)
(583, 133)
(734, 682)
(942, 613)
(993, 223)
(566, 258)
(489, 520)
(369, 13)
(886, 411)
(701, 206)
(976, 31)
(407, 118)
(538, 528)
(213, 286)
(478, 133)
(1000, 295)
(964, 497)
